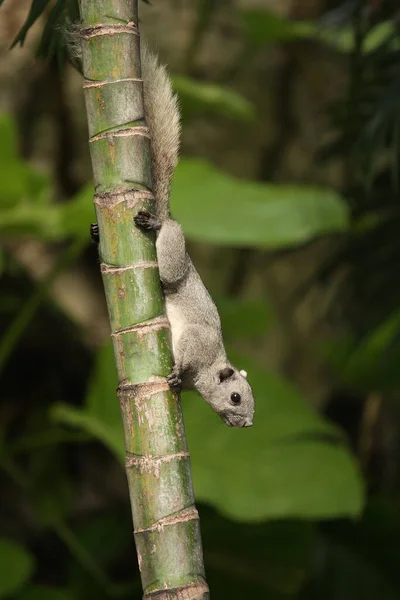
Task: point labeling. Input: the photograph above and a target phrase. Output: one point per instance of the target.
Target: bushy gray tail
(163, 120)
(161, 113)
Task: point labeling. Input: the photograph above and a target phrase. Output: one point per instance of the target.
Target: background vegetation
(288, 193)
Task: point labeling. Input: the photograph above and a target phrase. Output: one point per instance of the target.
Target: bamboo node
(128, 132)
(141, 264)
(100, 29)
(144, 328)
(190, 591)
(131, 197)
(148, 464)
(190, 514)
(89, 83)
(142, 391)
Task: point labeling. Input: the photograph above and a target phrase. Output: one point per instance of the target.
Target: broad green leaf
(78, 213)
(8, 146)
(52, 492)
(259, 560)
(19, 182)
(266, 27)
(212, 207)
(342, 39)
(244, 318)
(203, 95)
(17, 566)
(109, 433)
(371, 363)
(41, 592)
(291, 463)
(288, 464)
(110, 525)
(101, 417)
(216, 208)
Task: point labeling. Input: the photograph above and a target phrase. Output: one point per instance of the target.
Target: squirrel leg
(171, 250)
(173, 261)
(145, 220)
(181, 360)
(196, 343)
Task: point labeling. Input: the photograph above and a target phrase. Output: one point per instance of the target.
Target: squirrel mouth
(234, 421)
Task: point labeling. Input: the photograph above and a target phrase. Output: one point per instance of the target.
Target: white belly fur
(177, 322)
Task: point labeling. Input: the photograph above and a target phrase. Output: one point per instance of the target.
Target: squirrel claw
(94, 233)
(146, 220)
(174, 380)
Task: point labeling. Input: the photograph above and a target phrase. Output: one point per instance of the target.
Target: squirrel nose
(248, 423)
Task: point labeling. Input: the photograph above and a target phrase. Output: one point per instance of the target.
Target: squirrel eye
(235, 397)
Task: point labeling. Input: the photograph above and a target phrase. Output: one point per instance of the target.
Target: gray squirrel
(200, 360)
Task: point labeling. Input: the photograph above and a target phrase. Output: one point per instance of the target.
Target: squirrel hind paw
(174, 380)
(145, 220)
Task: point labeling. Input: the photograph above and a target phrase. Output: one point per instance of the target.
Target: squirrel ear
(225, 374)
(243, 374)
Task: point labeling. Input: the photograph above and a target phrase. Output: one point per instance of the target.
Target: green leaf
(37, 8)
(101, 417)
(17, 566)
(52, 491)
(244, 318)
(24, 316)
(78, 213)
(218, 209)
(108, 525)
(41, 592)
(290, 464)
(266, 27)
(255, 560)
(203, 95)
(342, 39)
(371, 363)
(19, 181)
(212, 207)
(8, 146)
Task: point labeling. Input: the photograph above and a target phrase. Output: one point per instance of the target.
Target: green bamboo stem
(167, 530)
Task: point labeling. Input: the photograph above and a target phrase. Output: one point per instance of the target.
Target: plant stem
(17, 327)
(167, 530)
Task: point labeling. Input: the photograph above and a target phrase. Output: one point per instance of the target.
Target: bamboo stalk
(167, 530)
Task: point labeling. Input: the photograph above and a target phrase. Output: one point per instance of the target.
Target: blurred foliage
(202, 96)
(262, 491)
(17, 566)
(265, 27)
(257, 214)
(367, 120)
(292, 464)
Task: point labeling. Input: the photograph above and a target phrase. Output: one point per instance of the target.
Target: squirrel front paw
(145, 220)
(94, 233)
(174, 380)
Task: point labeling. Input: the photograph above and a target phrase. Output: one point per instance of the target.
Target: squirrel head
(231, 396)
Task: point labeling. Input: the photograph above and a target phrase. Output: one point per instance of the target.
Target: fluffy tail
(163, 120)
(162, 116)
